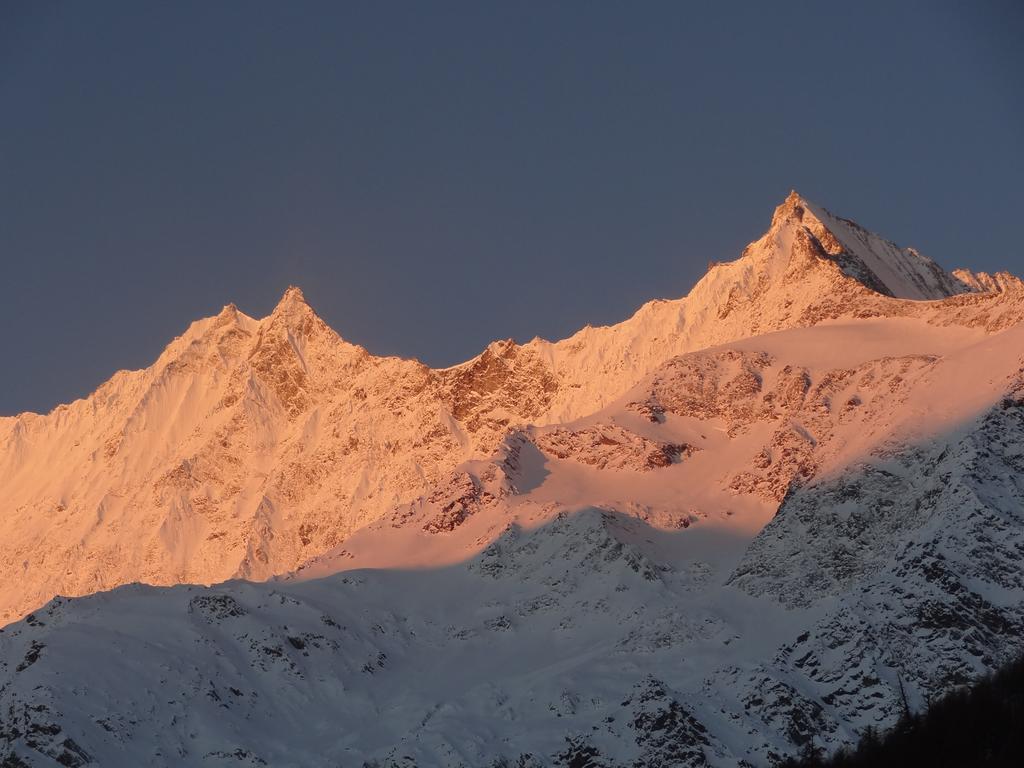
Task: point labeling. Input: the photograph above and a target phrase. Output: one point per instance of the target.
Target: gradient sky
(437, 175)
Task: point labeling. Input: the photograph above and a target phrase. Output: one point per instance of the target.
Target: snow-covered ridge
(878, 263)
(547, 604)
(252, 446)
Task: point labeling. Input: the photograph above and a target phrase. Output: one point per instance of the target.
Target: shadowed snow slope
(694, 538)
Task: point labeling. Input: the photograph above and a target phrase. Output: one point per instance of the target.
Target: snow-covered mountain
(694, 538)
(251, 446)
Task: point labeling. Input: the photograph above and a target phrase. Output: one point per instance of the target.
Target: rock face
(737, 521)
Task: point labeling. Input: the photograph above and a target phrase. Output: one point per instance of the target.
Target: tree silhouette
(981, 726)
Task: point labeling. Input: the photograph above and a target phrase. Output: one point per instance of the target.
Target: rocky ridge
(667, 542)
(251, 446)
(610, 613)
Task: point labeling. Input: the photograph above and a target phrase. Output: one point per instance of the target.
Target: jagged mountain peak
(293, 321)
(876, 263)
(293, 297)
(792, 207)
(983, 282)
(293, 306)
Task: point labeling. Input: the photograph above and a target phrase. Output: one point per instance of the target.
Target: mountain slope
(569, 597)
(251, 446)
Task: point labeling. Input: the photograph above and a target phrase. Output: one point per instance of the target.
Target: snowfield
(733, 523)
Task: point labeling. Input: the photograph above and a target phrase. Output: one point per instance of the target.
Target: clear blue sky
(436, 175)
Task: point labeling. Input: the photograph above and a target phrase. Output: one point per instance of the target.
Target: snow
(904, 272)
(723, 515)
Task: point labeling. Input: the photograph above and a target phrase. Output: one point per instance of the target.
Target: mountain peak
(792, 207)
(228, 313)
(292, 297)
(293, 308)
(876, 263)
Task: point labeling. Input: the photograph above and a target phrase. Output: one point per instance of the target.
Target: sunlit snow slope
(599, 585)
(734, 521)
(251, 446)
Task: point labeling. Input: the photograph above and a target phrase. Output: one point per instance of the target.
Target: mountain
(980, 725)
(251, 446)
(762, 513)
